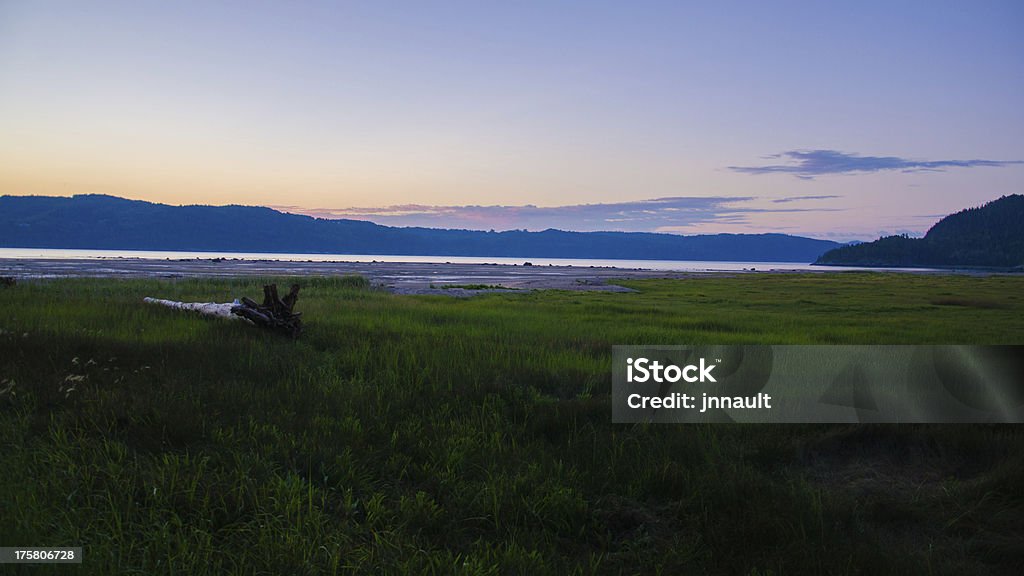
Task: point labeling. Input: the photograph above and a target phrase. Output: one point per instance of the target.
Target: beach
(399, 277)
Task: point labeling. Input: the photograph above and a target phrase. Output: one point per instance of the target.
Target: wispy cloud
(659, 214)
(810, 163)
(798, 198)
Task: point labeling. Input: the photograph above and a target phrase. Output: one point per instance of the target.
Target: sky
(839, 120)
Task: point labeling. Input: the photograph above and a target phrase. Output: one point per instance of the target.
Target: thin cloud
(656, 214)
(798, 198)
(810, 163)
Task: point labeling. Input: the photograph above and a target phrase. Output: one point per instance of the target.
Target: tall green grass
(429, 434)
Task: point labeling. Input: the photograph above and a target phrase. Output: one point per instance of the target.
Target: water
(666, 265)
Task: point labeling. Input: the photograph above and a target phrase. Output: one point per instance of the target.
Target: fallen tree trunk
(275, 313)
(205, 308)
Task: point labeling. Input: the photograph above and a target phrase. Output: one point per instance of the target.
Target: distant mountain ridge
(990, 236)
(108, 222)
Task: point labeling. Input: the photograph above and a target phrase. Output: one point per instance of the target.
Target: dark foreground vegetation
(428, 434)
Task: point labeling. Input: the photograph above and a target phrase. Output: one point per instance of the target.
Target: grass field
(428, 434)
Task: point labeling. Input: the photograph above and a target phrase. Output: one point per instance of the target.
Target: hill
(107, 222)
(987, 236)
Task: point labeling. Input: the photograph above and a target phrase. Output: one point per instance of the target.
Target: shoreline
(934, 267)
(396, 277)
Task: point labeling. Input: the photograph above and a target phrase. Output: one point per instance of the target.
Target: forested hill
(988, 236)
(107, 222)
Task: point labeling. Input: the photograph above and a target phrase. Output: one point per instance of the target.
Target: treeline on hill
(107, 222)
(991, 235)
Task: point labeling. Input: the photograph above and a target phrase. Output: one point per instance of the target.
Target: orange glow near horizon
(323, 106)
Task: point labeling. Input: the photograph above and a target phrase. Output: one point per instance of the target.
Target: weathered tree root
(275, 313)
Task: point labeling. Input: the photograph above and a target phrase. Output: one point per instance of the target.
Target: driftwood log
(275, 313)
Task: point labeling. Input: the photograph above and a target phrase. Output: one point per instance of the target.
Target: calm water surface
(668, 265)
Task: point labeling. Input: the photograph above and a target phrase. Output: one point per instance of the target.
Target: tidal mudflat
(452, 279)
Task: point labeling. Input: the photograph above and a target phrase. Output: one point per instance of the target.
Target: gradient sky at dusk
(827, 119)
